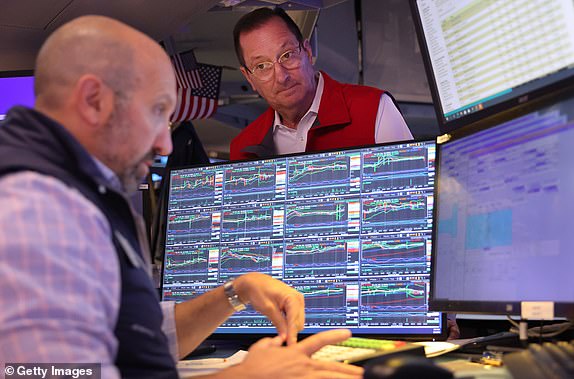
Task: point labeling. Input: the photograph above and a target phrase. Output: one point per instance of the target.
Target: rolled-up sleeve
(168, 327)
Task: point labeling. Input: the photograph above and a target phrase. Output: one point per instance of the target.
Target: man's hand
(267, 359)
(283, 305)
(453, 330)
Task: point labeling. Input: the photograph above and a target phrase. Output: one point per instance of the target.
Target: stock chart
(190, 226)
(320, 177)
(389, 302)
(351, 230)
(397, 169)
(319, 258)
(311, 218)
(395, 213)
(249, 184)
(247, 222)
(236, 260)
(193, 189)
(384, 256)
(325, 304)
(187, 263)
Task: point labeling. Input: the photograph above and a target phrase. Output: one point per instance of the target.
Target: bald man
(74, 273)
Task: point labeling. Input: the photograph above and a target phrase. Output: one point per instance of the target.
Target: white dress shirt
(389, 125)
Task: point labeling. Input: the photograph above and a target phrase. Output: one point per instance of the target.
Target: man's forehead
(270, 48)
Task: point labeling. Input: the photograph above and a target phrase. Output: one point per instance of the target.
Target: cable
(545, 331)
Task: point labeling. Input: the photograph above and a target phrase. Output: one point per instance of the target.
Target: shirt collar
(314, 109)
(110, 177)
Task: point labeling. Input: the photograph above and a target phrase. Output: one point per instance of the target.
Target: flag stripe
(197, 90)
(193, 107)
(196, 107)
(183, 111)
(174, 116)
(202, 108)
(211, 108)
(195, 79)
(179, 71)
(185, 79)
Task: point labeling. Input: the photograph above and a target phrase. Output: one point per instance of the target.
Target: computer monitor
(350, 229)
(16, 88)
(483, 57)
(504, 216)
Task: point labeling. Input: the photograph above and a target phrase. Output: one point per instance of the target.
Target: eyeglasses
(290, 59)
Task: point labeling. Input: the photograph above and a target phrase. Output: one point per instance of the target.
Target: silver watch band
(232, 296)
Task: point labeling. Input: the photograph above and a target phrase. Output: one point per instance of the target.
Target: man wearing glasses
(308, 110)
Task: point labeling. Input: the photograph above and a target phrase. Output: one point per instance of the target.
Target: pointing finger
(315, 342)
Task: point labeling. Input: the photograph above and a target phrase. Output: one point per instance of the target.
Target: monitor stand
(503, 341)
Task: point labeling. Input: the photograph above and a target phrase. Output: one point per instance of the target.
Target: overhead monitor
(504, 217)
(350, 229)
(16, 88)
(483, 57)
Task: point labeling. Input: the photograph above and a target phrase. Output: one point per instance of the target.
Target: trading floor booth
(388, 239)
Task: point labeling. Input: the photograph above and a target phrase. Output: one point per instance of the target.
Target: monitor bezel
(16, 73)
(492, 110)
(508, 308)
(252, 336)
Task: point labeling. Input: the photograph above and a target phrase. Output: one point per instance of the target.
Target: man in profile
(75, 281)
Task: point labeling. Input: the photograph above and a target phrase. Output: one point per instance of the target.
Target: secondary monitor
(16, 88)
(483, 57)
(350, 229)
(504, 217)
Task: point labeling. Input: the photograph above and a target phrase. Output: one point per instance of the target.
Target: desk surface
(459, 364)
(464, 368)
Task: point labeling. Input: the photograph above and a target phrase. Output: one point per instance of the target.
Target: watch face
(232, 297)
(237, 304)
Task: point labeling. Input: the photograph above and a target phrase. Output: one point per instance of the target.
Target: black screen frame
(250, 337)
(490, 111)
(17, 74)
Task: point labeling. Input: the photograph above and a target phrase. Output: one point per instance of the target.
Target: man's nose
(281, 73)
(163, 144)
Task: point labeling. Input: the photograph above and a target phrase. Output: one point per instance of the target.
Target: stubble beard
(118, 158)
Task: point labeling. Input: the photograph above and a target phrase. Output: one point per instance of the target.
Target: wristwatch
(232, 296)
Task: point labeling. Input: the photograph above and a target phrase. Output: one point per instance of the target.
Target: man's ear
(308, 50)
(94, 100)
(248, 77)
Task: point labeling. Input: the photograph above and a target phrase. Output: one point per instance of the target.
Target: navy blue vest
(32, 141)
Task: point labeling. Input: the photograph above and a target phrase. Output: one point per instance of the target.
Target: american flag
(197, 88)
(186, 70)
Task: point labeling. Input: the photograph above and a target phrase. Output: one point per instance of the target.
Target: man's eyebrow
(164, 97)
(284, 45)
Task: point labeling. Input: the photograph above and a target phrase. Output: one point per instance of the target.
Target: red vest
(346, 118)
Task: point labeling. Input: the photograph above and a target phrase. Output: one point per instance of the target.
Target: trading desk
(461, 365)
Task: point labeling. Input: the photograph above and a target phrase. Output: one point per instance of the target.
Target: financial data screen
(486, 52)
(351, 230)
(504, 211)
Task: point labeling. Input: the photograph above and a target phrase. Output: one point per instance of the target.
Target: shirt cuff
(168, 327)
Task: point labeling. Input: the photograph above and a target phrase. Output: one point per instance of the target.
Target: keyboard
(542, 361)
(357, 350)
